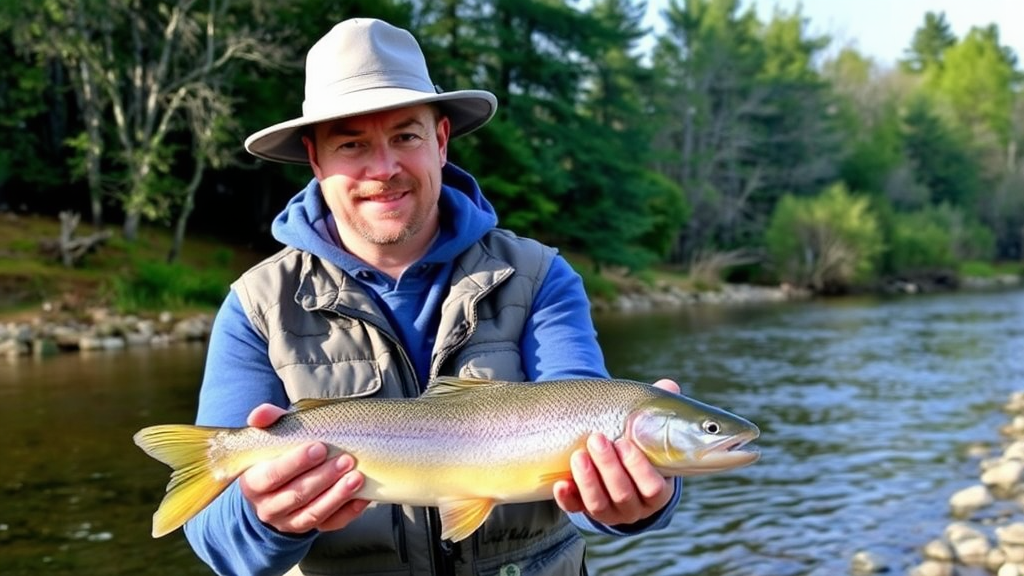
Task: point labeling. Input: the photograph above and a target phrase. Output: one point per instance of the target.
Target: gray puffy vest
(327, 338)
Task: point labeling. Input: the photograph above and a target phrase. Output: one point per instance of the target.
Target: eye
(711, 427)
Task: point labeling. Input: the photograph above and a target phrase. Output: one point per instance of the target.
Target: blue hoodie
(558, 342)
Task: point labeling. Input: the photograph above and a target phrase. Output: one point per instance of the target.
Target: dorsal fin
(444, 386)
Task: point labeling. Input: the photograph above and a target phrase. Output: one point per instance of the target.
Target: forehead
(399, 118)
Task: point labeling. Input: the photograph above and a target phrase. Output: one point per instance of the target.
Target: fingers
(666, 384)
(303, 489)
(273, 474)
(614, 483)
(264, 415)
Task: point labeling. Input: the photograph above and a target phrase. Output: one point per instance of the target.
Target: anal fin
(460, 518)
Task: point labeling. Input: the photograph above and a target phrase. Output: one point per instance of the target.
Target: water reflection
(76, 495)
(866, 410)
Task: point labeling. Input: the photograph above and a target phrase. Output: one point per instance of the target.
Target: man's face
(381, 174)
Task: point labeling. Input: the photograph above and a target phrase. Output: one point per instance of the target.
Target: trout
(463, 446)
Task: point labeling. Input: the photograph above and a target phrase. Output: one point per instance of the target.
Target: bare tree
(152, 69)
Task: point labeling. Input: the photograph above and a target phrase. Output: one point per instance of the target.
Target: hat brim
(467, 110)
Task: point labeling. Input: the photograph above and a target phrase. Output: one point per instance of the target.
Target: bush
(919, 243)
(936, 238)
(828, 242)
(161, 285)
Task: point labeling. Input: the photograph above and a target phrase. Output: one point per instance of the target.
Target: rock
(1015, 405)
(11, 348)
(1011, 541)
(113, 343)
(1015, 451)
(190, 329)
(1015, 428)
(88, 342)
(865, 562)
(996, 558)
(938, 550)
(970, 545)
(44, 347)
(1011, 569)
(1006, 474)
(968, 500)
(137, 339)
(933, 568)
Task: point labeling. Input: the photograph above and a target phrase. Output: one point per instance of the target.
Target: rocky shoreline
(988, 531)
(667, 296)
(53, 330)
(50, 333)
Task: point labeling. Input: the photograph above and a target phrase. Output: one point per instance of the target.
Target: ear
(311, 154)
(444, 128)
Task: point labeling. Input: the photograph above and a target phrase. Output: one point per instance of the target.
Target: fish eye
(711, 427)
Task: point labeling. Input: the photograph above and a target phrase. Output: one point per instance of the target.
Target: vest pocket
(562, 555)
(370, 545)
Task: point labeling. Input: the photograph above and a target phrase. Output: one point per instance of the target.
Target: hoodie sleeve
(227, 534)
(559, 341)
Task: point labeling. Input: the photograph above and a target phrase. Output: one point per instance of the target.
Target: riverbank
(987, 528)
(55, 328)
(52, 332)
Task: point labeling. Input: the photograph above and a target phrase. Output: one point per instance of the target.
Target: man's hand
(302, 489)
(614, 483)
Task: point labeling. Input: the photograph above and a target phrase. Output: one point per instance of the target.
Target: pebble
(1005, 474)
(967, 501)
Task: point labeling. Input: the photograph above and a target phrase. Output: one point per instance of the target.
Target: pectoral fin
(460, 518)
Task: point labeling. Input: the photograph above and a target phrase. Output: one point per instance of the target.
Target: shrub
(828, 242)
(161, 285)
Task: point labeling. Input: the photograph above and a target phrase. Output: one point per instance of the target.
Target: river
(867, 407)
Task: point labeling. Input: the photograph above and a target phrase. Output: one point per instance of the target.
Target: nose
(383, 163)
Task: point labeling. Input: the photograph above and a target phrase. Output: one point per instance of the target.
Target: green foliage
(929, 44)
(154, 285)
(625, 157)
(828, 243)
(920, 243)
(941, 158)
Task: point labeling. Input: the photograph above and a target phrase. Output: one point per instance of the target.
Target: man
(394, 273)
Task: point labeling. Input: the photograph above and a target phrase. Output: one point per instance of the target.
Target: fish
(463, 446)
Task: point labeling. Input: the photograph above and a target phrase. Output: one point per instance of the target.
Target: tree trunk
(186, 209)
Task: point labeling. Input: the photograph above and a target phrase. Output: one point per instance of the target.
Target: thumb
(264, 415)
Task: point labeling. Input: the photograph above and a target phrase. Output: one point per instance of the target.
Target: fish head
(684, 437)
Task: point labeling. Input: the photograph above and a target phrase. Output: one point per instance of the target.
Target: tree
(142, 67)
(929, 44)
(749, 118)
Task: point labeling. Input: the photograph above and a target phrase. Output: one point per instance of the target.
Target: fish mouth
(726, 454)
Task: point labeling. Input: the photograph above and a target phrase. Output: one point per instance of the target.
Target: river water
(868, 409)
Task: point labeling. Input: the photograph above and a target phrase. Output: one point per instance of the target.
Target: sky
(882, 29)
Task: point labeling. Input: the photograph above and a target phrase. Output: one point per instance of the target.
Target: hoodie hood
(464, 212)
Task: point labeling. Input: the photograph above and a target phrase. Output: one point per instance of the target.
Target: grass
(979, 269)
(128, 276)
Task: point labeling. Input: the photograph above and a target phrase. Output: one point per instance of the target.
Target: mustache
(395, 185)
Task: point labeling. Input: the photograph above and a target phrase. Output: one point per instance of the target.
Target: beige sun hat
(364, 65)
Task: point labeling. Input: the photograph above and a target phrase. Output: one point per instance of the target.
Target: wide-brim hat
(361, 66)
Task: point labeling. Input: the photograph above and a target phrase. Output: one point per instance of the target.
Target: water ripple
(866, 409)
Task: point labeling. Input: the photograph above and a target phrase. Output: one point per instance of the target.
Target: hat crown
(363, 54)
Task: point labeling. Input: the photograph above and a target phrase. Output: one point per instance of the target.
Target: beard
(384, 229)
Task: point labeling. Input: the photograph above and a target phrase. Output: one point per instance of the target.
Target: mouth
(729, 453)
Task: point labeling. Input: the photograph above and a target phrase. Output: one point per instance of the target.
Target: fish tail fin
(195, 481)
